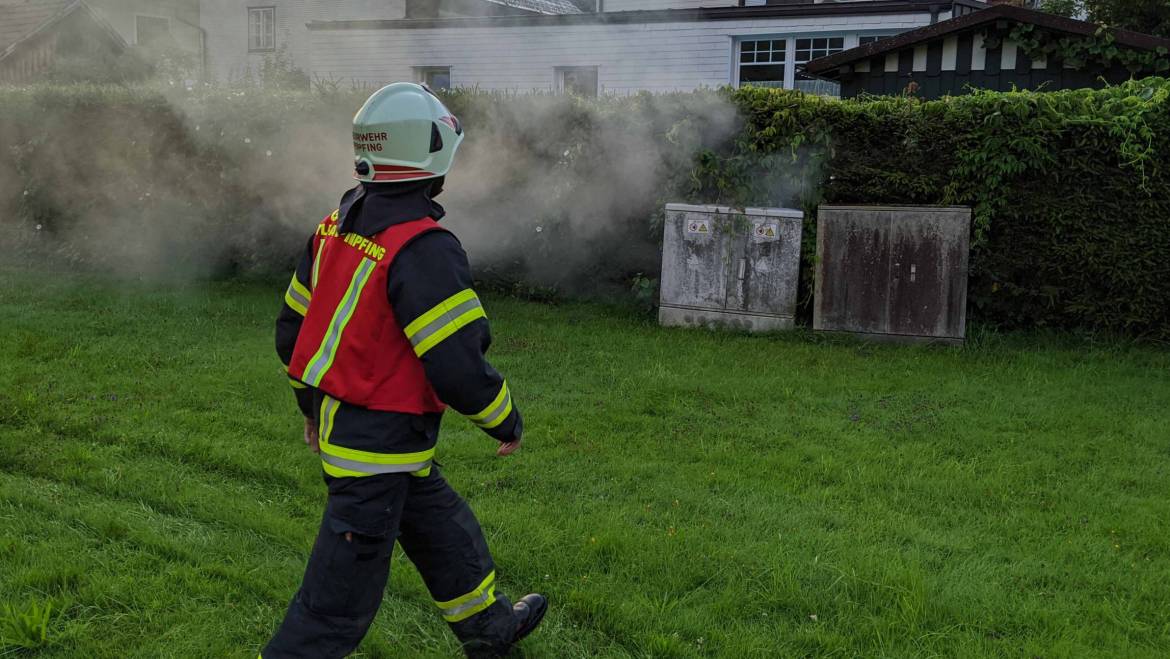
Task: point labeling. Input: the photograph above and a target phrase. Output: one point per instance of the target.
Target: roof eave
(829, 67)
(649, 16)
(65, 12)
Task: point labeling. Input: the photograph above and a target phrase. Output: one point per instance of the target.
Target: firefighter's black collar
(371, 208)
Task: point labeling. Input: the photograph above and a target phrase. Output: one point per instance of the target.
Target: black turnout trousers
(343, 584)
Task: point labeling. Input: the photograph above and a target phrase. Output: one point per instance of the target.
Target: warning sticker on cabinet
(699, 227)
(766, 231)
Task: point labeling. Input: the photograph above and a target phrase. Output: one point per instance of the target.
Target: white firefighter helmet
(404, 133)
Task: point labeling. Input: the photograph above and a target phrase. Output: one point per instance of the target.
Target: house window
(810, 49)
(762, 63)
(577, 80)
(261, 29)
(150, 30)
(435, 77)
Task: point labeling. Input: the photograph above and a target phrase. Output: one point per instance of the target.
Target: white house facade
(560, 45)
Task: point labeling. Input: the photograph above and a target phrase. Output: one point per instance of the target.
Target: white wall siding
(355, 10)
(658, 57)
(226, 22)
(183, 16)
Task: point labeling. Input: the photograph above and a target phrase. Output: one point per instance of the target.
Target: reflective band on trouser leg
(443, 320)
(323, 359)
(339, 461)
(463, 607)
(297, 296)
(496, 412)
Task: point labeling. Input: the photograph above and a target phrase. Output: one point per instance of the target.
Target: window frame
(559, 77)
(756, 39)
(271, 10)
(137, 33)
(849, 40)
(420, 76)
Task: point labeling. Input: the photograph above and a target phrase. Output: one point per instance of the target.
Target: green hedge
(559, 195)
(1071, 189)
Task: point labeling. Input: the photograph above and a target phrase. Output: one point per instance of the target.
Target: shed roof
(829, 66)
(21, 20)
(553, 7)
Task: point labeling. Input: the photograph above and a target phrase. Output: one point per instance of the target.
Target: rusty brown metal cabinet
(896, 272)
(732, 268)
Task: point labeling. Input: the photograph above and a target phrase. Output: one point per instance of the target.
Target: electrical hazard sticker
(765, 231)
(700, 227)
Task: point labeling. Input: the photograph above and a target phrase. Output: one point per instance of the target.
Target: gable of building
(977, 51)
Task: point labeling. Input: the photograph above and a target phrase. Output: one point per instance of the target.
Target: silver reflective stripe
(324, 356)
(373, 468)
(495, 414)
(444, 320)
(456, 610)
(296, 295)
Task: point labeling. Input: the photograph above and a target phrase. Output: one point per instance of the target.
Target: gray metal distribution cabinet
(730, 268)
(896, 272)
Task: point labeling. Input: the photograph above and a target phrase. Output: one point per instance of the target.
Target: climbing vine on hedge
(1101, 49)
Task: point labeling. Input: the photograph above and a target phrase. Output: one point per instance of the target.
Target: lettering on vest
(360, 243)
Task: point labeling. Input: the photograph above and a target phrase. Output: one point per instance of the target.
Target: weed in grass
(27, 628)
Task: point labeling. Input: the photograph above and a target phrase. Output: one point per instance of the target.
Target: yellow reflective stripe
(465, 606)
(319, 365)
(329, 407)
(317, 263)
(443, 320)
(438, 310)
(341, 472)
(353, 459)
(297, 384)
(297, 296)
(496, 411)
(376, 458)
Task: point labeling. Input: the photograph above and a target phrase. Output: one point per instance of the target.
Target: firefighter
(380, 332)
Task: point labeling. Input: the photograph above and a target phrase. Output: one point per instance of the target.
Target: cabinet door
(928, 265)
(853, 271)
(738, 294)
(770, 267)
(695, 261)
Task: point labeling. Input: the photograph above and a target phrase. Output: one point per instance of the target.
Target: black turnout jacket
(427, 271)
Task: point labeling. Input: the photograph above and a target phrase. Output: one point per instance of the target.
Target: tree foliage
(1148, 16)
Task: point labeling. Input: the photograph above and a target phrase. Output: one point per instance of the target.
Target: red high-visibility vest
(351, 345)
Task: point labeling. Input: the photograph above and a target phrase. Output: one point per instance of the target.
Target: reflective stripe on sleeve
(465, 606)
(340, 461)
(496, 411)
(323, 359)
(297, 296)
(443, 320)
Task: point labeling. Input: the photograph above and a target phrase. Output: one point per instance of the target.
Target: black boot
(529, 611)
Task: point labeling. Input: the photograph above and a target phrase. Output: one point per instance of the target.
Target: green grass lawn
(680, 493)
